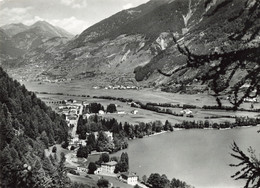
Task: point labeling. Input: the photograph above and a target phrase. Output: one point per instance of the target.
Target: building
(108, 167)
(129, 178)
(101, 112)
(186, 111)
(254, 100)
(82, 168)
(108, 134)
(134, 111)
(98, 170)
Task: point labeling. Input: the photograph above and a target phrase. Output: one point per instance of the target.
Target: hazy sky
(72, 15)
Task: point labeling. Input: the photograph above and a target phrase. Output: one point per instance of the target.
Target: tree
(250, 167)
(124, 158)
(155, 180)
(123, 164)
(111, 108)
(167, 126)
(28, 126)
(221, 66)
(72, 148)
(82, 152)
(102, 142)
(61, 179)
(92, 168)
(54, 149)
(91, 142)
(65, 144)
(102, 183)
(104, 157)
(144, 178)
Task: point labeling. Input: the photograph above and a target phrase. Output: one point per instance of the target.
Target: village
(72, 110)
(118, 87)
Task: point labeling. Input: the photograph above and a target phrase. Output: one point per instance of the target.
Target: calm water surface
(199, 157)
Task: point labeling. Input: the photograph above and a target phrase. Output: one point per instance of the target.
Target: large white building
(129, 178)
(108, 167)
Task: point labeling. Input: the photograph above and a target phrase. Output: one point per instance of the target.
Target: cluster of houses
(119, 87)
(108, 169)
(253, 100)
(53, 81)
(76, 142)
(71, 109)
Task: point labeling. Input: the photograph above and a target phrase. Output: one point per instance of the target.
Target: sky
(71, 15)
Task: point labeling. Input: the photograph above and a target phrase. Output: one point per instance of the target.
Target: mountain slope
(13, 29)
(132, 44)
(7, 47)
(38, 33)
(28, 127)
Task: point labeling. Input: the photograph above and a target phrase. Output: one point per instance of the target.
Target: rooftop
(128, 174)
(111, 163)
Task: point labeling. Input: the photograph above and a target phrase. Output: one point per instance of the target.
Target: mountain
(7, 47)
(15, 28)
(16, 46)
(132, 44)
(38, 33)
(28, 127)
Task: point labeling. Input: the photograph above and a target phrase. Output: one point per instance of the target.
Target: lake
(199, 157)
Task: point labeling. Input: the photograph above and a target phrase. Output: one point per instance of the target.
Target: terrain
(128, 47)
(28, 126)
(19, 40)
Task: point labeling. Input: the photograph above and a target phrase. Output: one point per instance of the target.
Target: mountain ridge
(134, 43)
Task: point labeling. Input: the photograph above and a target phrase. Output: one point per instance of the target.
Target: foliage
(111, 108)
(65, 144)
(92, 168)
(28, 126)
(95, 107)
(54, 149)
(102, 183)
(83, 152)
(91, 142)
(250, 167)
(144, 179)
(239, 122)
(123, 164)
(156, 180)
(104, 157)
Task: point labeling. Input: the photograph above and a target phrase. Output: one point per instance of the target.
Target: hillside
(37, 34)
(16, 40)
(28, 127)
(8, 47)
(132, 44)
(15, 28)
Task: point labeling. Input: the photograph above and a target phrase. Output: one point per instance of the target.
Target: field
(145, 95)
(89, 180)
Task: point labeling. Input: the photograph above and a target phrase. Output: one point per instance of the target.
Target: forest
(28, 127)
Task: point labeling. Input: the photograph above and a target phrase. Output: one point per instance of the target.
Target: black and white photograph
(130, 93)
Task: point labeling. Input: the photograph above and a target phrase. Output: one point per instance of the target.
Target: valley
(207, 141)
(165, 94)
